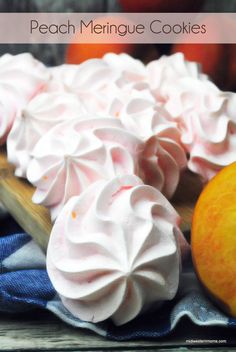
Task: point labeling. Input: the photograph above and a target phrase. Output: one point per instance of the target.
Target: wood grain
(41, 331)
(32, 334)
(16, 195)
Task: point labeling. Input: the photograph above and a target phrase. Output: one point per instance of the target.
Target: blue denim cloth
(24, 285)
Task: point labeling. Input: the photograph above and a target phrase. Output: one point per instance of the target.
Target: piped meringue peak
(75, 154)
(207, 121)
(113, 251)
(21, 78)
(163, 157)
(167, 70)
(41, 114)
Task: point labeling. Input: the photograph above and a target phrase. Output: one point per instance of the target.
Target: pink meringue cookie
(162, 161)
(213, 135)
(164, 72)
(75, 154)
(21, 78)
(190, 94)
(61, 78)
(123, 106)
(113, 251)
(207, 119)
(141, 114)
(41, 114)
(132, 70)
(99, 82)
(93, 82)
(163, 157)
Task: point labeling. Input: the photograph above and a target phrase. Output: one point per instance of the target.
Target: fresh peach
(214, 238)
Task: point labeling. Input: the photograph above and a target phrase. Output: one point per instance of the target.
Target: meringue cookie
(190, 94)
(132, 70)
(75, 154)
(206, 117)
(61, 78)
(163, 157)
(99, 82)
(41, 114)
(93, 82)
(24, 72)
(113, 251)
(119, 107)
(21, 78)
(164, 72)
(140, 113)
(213, 137)
(162, 161)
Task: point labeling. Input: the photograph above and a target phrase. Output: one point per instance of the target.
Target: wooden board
(41, 331)
(16, 194)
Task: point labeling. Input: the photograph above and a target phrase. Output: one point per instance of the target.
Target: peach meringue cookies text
(113, 251)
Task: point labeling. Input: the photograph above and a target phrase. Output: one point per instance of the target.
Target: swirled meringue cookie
(25, 72)
(207, 119)
(163, 157)
(119, 102)
(164, 72)
(99, 82)
(93, 81)
(162, 161)
(131, 70)
(21, 78)
(41, 114)
(61, 78)
(213, 135)
(113, 251)
(189, 94)
(140, 113)
(75, 154)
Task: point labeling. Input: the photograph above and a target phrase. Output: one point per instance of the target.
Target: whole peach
(214, 238)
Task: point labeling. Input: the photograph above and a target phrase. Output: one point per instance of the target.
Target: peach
(214, 238)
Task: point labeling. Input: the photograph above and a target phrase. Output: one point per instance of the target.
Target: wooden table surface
(41, 331)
